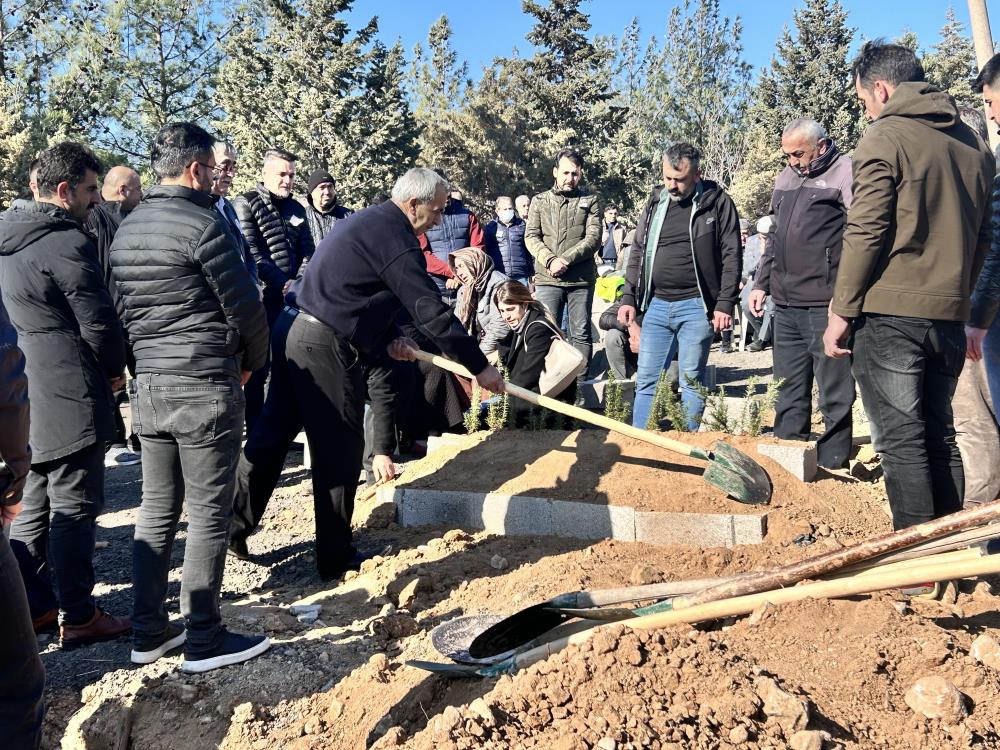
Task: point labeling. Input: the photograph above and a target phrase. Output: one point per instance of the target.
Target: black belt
(309, 318)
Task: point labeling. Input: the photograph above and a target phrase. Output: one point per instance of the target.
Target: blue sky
(484, 30)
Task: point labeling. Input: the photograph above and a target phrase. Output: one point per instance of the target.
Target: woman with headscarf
(475, 307)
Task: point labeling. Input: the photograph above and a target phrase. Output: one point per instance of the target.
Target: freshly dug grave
(341, 682)
(596, 466)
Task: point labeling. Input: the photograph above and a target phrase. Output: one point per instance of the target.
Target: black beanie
(317, 178)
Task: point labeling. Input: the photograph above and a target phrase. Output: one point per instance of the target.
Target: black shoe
(233, 648)
(726, 349)
(238, 549)
(755, 346)
(148, 650)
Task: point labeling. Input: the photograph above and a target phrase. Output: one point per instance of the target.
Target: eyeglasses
(227, 167)
(209, 167)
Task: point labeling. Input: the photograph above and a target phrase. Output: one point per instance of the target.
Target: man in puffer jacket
(564, 235)
(275, 226)
(322, 209)
(197, 330)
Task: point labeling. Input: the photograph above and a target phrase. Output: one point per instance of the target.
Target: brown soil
(341, 683)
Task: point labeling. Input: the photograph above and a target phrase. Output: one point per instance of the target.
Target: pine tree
(952, 64)
(812, 74)
(754, 182)
(15, 139)
(699, 87)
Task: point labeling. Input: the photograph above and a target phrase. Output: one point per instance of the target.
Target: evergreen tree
(296, 77)
(952, 64)
(15, 139)
(812, 75)
(754, 181)
(699, 87)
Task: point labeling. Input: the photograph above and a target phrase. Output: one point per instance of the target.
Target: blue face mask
(506, 215)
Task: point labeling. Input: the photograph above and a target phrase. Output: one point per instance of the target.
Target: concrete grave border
(520, 515)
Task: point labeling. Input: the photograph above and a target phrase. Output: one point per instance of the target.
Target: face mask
(506, 215)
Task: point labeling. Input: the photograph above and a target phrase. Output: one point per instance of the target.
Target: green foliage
(717, 418)
(615, 405)
(14, 141)
(498, 414)
(952, 64)
(473, 417)
(668, 406)
(756, 407)
(716, 415)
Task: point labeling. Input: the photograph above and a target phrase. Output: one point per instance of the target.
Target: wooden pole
(979, 20)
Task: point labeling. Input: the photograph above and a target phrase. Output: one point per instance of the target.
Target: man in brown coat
(917, 233)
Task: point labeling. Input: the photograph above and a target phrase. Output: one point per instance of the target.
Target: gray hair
(678, 153)
(806, 127)
(420, 183)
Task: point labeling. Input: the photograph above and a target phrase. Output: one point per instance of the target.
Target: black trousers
(22, 678)
(257, 385)
(263, 456)
(798, 358)
(326, 376)
(907, 369)
(53, 537)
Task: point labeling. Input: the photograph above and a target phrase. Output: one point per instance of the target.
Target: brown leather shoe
(100, 627)
(46, 621)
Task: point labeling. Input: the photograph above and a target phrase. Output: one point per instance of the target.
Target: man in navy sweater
(349, 297)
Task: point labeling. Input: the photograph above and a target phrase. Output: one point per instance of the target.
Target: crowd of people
(262, 316)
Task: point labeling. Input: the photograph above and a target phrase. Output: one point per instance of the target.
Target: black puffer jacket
(321, 223)
(279, 237)
(56, 297)
(190, 307)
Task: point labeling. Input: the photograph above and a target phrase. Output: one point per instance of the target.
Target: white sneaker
(121, 457)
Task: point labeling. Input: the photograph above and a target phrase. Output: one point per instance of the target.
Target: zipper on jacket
(694, 258)
(829, 265)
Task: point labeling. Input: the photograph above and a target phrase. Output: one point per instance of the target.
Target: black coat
(15, 456)
(523, 354)
(54, 291)
(190, 307)
(321, 223)
(279, 238)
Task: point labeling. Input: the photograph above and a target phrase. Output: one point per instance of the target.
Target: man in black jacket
(197, 329)
(57, 299)
(799, 268)
(322, 209)
(361, 277)
(275, 226)
(22, 678)
(682, 277)
(121, 191)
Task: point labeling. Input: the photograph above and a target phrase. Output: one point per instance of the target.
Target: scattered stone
(986, 650)
(607, 743)
(398, 625)
(456, 535)
(188, 693)
(481, 708)
(935, 697)
(643, 575)
(738, 735)
(824, 530)
(790, 711)
(760, 613)
(379, 664)
(387, 610)
(498, 563)
(394, 737)
(306, 613)
(410, 590)
(808, 740)
(804, 540)
(982, 592)
(334, 711)
(450, 718)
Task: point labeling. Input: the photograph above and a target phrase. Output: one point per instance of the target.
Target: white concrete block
(797, 458)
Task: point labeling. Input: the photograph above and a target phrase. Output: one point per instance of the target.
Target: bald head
(122, 184)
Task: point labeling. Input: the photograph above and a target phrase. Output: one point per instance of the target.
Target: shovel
(528, 624)
(729, 469)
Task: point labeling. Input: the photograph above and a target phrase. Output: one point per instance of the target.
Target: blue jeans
(668, 327)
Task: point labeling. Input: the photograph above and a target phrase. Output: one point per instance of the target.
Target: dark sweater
(362, 274)
(673, 272)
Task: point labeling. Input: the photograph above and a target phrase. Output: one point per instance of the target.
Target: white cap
(764, 224)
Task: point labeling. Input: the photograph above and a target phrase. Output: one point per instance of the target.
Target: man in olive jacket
(563, 236)
(916, 236)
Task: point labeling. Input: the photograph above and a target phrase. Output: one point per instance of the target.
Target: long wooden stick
(576, 412)
(858, 584)
(814, 567)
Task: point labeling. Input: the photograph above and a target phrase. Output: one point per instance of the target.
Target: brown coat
(919, 226)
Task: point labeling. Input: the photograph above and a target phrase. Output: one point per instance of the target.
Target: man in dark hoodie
(322, 209)
(916, 236)
(809, 205)
(682, 279)
(57, 299)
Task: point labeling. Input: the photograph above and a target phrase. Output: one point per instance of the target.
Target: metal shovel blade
(738, 475)
(452, 638)
(516, 630)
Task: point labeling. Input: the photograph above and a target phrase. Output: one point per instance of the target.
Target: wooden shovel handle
(576, 412)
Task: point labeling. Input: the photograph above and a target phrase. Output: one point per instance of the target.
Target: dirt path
(340, 682)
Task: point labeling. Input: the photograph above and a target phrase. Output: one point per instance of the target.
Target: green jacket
(567, 226)
(919, 226)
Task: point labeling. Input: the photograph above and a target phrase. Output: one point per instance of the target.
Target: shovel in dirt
(729, 469)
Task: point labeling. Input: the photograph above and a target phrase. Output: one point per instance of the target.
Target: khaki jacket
(919, 226)
(567, 226)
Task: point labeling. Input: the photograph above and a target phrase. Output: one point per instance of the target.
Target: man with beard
(682, 279)
(322, 209)
(799, 268)
(275, 226)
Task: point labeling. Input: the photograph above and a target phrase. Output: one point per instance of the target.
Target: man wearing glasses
(799, 268)
(222, 182)
(197, 329)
